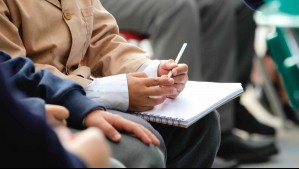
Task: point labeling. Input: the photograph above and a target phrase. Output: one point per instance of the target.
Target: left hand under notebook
(195, 102)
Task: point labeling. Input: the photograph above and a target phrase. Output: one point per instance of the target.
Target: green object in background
(279, 13)
(286, 6)
(284, 43)
(287, 62)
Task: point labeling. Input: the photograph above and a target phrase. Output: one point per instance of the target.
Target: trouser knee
(132, 153)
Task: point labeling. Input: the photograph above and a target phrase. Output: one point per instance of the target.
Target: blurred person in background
(220, 35)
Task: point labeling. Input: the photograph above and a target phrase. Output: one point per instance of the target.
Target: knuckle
(156, 81)
(110, 130)
(118, 118)
(143, 74)
(172, 90)
(180, 78)
(136, 127)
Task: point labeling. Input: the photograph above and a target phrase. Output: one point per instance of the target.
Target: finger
(154, 139)
(158, 81)
(145, 108)
(160, 91)
(133, 128)
(139, 74)
(180, 87)
(58, 112)
(57, 123)
(181, 79)
(64, 123)
(152, 102)
(140, 108)
(181, 69)
(173, 96)
(164, 76)
(64, 135)
(53, 121)
(109, 130)
(140, 133)
(168, 65)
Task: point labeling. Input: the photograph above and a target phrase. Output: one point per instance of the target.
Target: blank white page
(196, 101)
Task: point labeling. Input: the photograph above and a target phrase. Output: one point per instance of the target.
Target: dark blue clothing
(26, 139)
(50, 88)
(254, 4)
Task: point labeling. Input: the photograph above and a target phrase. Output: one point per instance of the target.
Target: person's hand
(179, 74)
(146, 93)
(110, 123)
(56, 115)
(89, 145)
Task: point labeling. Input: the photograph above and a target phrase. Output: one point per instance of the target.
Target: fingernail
(173, 64)
(174, 72)
(171, 80)
(116, 137)
(157, 141)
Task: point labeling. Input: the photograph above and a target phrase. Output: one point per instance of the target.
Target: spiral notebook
(195, 102)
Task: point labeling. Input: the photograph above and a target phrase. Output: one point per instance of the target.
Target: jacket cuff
(79, 106)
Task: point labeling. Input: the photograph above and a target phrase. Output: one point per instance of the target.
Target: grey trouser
(132, 153)
(116, 164)
(217, 33)
(193, 147)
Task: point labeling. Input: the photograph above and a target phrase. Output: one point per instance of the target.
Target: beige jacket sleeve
(11, 42)
(109, 53)
(10, 39)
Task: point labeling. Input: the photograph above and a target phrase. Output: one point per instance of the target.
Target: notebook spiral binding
(161, 119)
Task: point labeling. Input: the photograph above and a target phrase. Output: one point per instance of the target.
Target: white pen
(177, 60)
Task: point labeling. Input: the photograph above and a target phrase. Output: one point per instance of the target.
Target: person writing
(80, 39)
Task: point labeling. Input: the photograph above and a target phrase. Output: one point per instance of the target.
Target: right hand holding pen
(145, 93)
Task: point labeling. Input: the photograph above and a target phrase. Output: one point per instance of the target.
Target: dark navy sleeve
(52, 89)
(27, 140)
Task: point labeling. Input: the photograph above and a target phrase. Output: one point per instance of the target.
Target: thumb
(58, 112)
